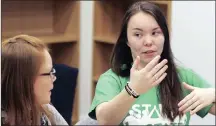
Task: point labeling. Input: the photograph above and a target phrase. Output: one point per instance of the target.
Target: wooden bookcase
(108, 16)
(56, 22)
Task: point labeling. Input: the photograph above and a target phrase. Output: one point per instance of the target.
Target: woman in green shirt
(144, 86)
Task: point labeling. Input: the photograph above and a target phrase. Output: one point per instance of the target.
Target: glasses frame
(51, 74)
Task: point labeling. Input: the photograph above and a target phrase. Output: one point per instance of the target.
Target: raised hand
(149, 76)
(197, 99)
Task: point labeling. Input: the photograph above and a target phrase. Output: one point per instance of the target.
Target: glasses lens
(53, 72)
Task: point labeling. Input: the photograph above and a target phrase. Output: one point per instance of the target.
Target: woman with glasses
(26, 83)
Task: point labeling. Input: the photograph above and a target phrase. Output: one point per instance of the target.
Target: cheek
(160, 44)
(134, 44)
(41, 86)
(38, 87)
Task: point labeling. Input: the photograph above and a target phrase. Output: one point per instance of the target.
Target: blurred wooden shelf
(107, 40)
(58, 39)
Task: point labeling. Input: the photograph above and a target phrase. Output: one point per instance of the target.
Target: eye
(137, 35)
(156, 33)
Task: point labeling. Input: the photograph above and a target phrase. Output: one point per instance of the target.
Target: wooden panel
(66, 17)
(107, 18)
(108, 40)
(51, 18)
(66, 53)
(102, 53)
(29, 17)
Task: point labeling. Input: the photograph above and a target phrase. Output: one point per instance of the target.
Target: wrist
(134, 87)
(130, 90)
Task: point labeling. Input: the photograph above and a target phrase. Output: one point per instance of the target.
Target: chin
(146, 59)
(45, 101)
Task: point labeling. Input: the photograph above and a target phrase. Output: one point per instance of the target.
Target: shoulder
(51, 108)
(185, 72)
(110, 76)
(191, 77)
(55, 115)
(110, 73)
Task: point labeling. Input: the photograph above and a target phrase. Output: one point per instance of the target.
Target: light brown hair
(22, 57)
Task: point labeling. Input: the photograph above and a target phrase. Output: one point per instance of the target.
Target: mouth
(149, 52)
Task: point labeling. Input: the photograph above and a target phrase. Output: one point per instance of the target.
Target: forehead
(47, 61)
(142, 20)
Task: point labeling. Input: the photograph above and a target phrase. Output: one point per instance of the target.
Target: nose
(147, 40)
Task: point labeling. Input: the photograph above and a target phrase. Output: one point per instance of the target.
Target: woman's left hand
(197, 99)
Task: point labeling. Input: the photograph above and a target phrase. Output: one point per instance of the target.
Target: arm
(113, 112)
(113, 109)
(55, 116)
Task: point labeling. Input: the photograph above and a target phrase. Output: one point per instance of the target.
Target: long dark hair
(169, 91)
(22, 57)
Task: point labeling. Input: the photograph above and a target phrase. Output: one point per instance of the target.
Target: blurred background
(81, 35)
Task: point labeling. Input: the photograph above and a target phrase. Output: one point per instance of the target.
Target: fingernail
(179, 103)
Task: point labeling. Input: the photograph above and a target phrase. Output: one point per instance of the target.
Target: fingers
(199, 107)
(191, 107)
(158, 67)
(151, 64)
(135, 64)
(189, 104)
(187, 86)
(159, 73)
(159, 79)
(187, 98)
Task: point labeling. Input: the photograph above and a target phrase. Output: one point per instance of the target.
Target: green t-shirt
(146, 109)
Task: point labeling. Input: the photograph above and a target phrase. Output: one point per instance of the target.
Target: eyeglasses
(51, 74)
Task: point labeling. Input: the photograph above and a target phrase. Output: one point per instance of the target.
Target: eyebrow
(137, 29)
(156, 28)
(142, 30)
